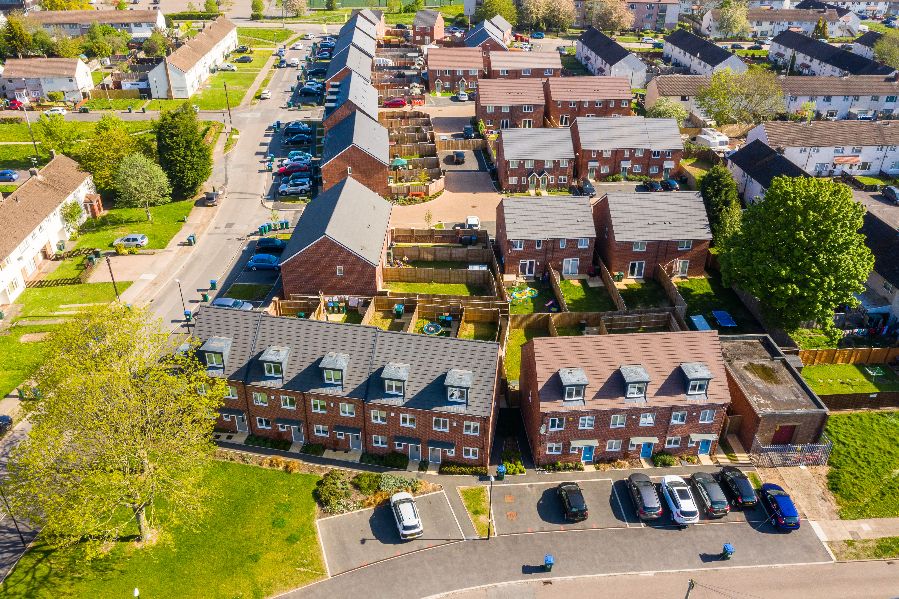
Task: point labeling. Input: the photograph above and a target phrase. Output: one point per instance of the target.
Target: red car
(15, 105)
(396, 103)
(292, 168)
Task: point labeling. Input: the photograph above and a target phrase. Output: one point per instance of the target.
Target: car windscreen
(689, 513)
(576, 501)
(745, 487)
(791, 520)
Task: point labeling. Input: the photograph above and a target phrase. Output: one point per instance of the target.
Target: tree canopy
(666, 108)
(104, 40)
(609, 15)
(56, 133)
(108, 148)
(719, 192)
(504, 8)
(733, 18)
(750, 97)
(65, 4)
(140, 182)
(886, 49)
(156, 45)
(799, 251)
(183, 154)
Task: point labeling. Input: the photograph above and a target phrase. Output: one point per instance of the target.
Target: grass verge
(168, 220)
(885, 548)
(579, 297)
(233, 136)
(248, 292)
(830, 379)
(475, 500)
(272, 35)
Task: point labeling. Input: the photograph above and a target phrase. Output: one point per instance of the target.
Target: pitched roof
(485, 30)
(554, 217)
(784, 134)
(868, 39)
(762, 163)
(680, 85)
(883, 241)
(539, 143)
(500, 23)
(86, 17)
(823, 5)
(824, 52)
(786, 14)
(357, 38)
(792, 85)
(34, 200)
(353, 88)
(660, 216)
(601, 357)
(367, 349)
(352, 58)
(350, 214)
(362, 24)
(588, 88)
(603, 46)
(612, 133)
(188, 55)
(36, 68)
(455, 58)
(426, 18)
(509, 92)
(356, 129)
(525, 60)
(371, 15)
(703, 49)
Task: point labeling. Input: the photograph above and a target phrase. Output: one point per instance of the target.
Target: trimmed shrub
(367, 482)
(663, 458)
(423, 465)
(393, 459)
(511, 459)
(333, 492)
(391, 483)
(257, 441)
(564, 466)
(456, 468)
(313, 449)
(193, 16)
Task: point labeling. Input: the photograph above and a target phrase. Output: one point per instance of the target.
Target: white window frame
(379, 416)
(471, 428)
(672, 442)
(583, 243)
(320, 430)
(563, 243)
(330, 377)
(232, 392)
(462, 396)
(648, 419)
(698, 387)
(638, 246)
(517, 244)
(214, 359)
(586, 422)
(273, 369)
(260, 399)
(636, 390)
(707, 416)
(319, 406)
(679, 417)
(339, 271)
(538, 244)
(440, 424)
(288, 402)
(613, 445)
(379, 440)
(263, 423)
(574, 392)
(407, 420)
(470, 453)
(554, 448)
(618, 421)
(555, 424)
(348, 410)
(684, 244)
(392, 387)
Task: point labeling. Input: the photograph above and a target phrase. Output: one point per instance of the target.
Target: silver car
(132, 240)
(233, 304)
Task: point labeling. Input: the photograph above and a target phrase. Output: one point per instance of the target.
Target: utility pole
(690, 585)
(228, 104)
(15, 523)
(490, 509)
(112, 276)
(31, 132)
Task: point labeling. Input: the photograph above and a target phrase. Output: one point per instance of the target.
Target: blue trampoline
(700, 323)
(724, 319)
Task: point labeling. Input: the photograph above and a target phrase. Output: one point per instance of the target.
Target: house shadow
(549, 507)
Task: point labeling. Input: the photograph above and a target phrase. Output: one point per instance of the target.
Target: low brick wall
(861, 401)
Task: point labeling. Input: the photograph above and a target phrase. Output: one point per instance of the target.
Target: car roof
(639, 477)
(670, 479)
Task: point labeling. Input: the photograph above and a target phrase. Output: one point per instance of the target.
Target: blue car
(264, 262)
(538, 35)
(670, 185)
(9, 176)
(780, 507)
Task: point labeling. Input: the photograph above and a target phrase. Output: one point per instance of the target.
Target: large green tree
(140, 182)
(121, 422)
(104, 40)
(156, 44)
(183, 154)
(750, 97)
(67, 47)
(800, 251)
(504, 8)
(65, 5)
(733, 18)
(719, 192)
(107, 149)
(886, 49)
(609, 15)
(16, 39)
(56, 133)
(666, 108)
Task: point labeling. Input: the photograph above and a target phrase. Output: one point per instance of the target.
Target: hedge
(393, 459)
(313, 449)
(194, 16)
(256, 441)
(663, 458)
(456, 468)
(564, 466)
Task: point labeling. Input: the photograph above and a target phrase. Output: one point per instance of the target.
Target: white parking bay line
(453, 512)
(322, 546)
(620, 506)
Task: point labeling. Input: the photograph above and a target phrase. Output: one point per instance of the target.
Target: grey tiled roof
(240, 332)
(603, 46)
(826, 53)
(350, 214)
(355, 89)
(352, 58)
(543, 143)
(762, 163)
(830, 133)
(660, 216)
(425, 18)
(868, 39)
(500, 23)
(703, 49)
(355, 37)
(628, 132)
(360, 23)
(551, 217)
(480, 34)
(883, 241)
(356, 129)
(459, 378)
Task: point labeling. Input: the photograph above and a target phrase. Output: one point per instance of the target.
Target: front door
(434, 454)
(666, 172)
(461, 85)
(526, 267)
(705, 447)
(532, 182)
(414, 452)
(635, 270)
(242, 424)
(570, 266)
(587, 453)
(438, 86)
(504, 123)
(683, 267)
(624, 171)
(591, 173)
(783, 435)
(646, 450)
(356, 442)
(296, 434)
(544, 182)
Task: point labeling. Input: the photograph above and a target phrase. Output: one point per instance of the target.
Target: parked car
(265, 94)
(472, 222)
(242, 49)
(317, 72)
(297, 46)
(295, 188)
(57, 110)
(563, 50)
(323, 55)
(680, 500)
(711, 496)
(263, 262)
(458, 157)
(574, 506)
(405, 514)
(653, 186)
(740, 488)
(15, 105)
(270, 245)
(294, 127)
(327, 44)
(132, 240)
(648, 40)
(294, 62)
(8, 175)
(281, 65)
(294, 155)
(227, 67)
(780, 507)
(293, 167)
(538, 35)
(244, 59)
(468, 132)
(462, 97)
(308, 36)
(670, 185)
(304, 160)
(310, 90)
(658, 45)
(583, 188)
(891, 193)
(756, 47)
(643, 494)
(297, 178)
(300, 139)
(401, 26)
(234, 304)
(737, 47)
(395, 103)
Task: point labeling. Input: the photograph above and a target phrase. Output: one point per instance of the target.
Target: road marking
(453, 512)
(620, 507)
(567, 480)
(321, 544)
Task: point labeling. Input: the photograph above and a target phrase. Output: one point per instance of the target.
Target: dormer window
(395, 376)
(393, 387)
(333, 377)
(636, 390)
(215, 351)
(572, 393)
(636, 380)
(333, 367)
(457, 394)
(273, 360)
(273, 369)
(457, 383)
(697, 387)
(697, 376)
(574, 383)
(214, 360)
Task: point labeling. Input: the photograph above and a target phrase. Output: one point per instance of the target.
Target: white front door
(504, 123)
(434, 455)
(296, 434)
(570, 266)
(242, 424)
(683, 267)
(635, 270)
(526, 267)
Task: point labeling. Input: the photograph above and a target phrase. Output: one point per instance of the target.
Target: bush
(256, 441)
(11, 120)
(691, 459)
(391, 483)
(456, 468)
(367, 482)
(511, 459)
(313, 449)
(614, 178)
(663, 458)
(564, 466)
(390, 460)
(423, 465)
(333, 492)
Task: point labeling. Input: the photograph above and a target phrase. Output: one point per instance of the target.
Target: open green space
(101, 103)
(27, 356)
(875, 180)
(579, 297)
(7, 188)
(863, 464)
(257, 539)
(704, 294)
(341, 15)
(437, 288)
(865, 549)
(831, 379)
(876, 26)
(248, 292)
(18, 156)
(59, 301)
(479, 331)
(213, 96)
(517, 338)
(167, 222)
(531, 305)
(647, 294)
(274, 35)
(475, 500)
(164, 104)
(573, 65)
(18, 132)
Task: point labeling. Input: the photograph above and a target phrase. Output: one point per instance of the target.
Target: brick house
(533, 234)
(352, 387)
(626, 146)
(351, 60)
(427, 27)
(505, 104)
(523, 65)
(535, 159)
(452, 69)
(356, 146)
(347, 96)
(568, 98)
(603, 56)
(607, 397)
(486, 36)
(339, 245)
(637, 231)
(503, 26)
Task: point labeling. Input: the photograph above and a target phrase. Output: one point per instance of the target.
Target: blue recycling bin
(213, 284)
(501, 472)
(261, 230)
(191, 239)
(548, 562)
(188, 315)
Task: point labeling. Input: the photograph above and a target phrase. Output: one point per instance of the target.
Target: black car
(310, 90)
(244, 59)
(756, 47)
(317, 72)
(740, 488)
(644, 495)
(468, 132)
(670, 185)
(242, 49)
(653, 186)
(326, 46)
(270, 245)
(299, 176)
(586, 188)
(400, 26)
(300, 139)
(737, 47)
(574, 505)
(297, 127)
(711, 497)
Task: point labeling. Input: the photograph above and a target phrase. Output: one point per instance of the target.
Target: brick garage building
(524, 65)
(626, 146)
(536, 159)
(339, 245)
(568, 98)
(352, 387)
(452, 69)
(505, 104)
(357, 147)
(427, 27)
(607, 397)
(533, 234)
(769, 398)
(637, 231)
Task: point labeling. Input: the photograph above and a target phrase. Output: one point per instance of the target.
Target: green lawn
(884, 548)
(213, 95)
(341, 15)
(270, 34)
(48, 302)
(28, 356)
(811, 339)
(530, 305)
(581, 298)
(8, 187)
(480, 331)
(166, 223)
(647, 294)
(437, 288)
(830, 379)
(863, 464)
(517, 338)
(98, 76)
(876, 26)
(475, 500)
(704, 294)
(163, 104)
(386, 322)
(18, 157)
(258, 539)
(572, 64)
(85, 129)
(248, 292)
(101, 103)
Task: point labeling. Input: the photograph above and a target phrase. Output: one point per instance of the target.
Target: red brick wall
(609, 108)
(614, 160)
(315, 269)
(536, 73)
(550, 254)
(451, 81)
(504, 171)
(335, 117)
(338, 76)
(272, 411)
(432, 33)
(366, 169)
(515, 115)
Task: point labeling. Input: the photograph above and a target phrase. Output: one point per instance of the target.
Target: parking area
(360, 538)
(878, 205)
(470, 161)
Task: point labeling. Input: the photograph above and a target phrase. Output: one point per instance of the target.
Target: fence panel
(855, 355)
(557, 289)
(610, 287)
(671, 291)
(809, 454)
(403, 235)
(446, 145)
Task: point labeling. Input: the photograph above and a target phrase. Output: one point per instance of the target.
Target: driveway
(467, 193)
(879, 206)
(536, 507)
(448, 163)
(357, 539)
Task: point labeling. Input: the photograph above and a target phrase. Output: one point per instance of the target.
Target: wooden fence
(674, 296)
(427, 253)
(557, 289)
(481, 278)
(415, 175)
(854, 355)
(402, 138)
(403, 235)
(398, 124)
(861, 401)
(610, 287)
(421, 148)
(429, 189)
(451, 144)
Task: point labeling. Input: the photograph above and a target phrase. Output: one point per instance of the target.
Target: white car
(132, 240)
(265, 94)
(227, 67)
(648, 40)
(680, 500)
(462, 97)
(472, 222)
(297, 46)
(297, 188)
(294, 62)
(57, 110)
(405, 513)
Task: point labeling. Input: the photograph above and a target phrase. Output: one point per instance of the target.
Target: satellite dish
(542, 429)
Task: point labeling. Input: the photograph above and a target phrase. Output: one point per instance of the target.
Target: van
(380, 61)
(711, 138)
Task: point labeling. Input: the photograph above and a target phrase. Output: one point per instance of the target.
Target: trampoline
(432, 328)
(724, 319)
(524, 293)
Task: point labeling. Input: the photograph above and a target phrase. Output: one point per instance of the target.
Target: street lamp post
(490, 509)
(228, 104)
(11, 515)
(31, 132)
(183, 305)
(112, 276)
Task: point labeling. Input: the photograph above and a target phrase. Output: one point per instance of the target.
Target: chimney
(52, 154)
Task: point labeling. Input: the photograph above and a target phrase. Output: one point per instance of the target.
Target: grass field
(436, 288)
(517, 338)
(167, 222)
(863, 464)
(49, 302)
(163, 104)
(704, 294)
(18, 157)
(19, 131)
(876, 26)
(830, 379)
(572, 64)
(28, 356)
(258, 539)
(273, 35)
(480, 331)
(581, 298)
(212, 97)
(115, 103)
(340, 16)
(475, 500)
(885, 548)
(647, 294)
(530, 305)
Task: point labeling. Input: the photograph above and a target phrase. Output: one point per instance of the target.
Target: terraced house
(702, 57)
(352, 387)
(808, 56)
(524, 65)
(625, 146)
(568, 98)
(510, 104)
(454, 69)
(607, 397)
(535, 159)
(357, 147)
(603, 56)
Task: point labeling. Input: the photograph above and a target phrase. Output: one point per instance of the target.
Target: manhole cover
(511, 515)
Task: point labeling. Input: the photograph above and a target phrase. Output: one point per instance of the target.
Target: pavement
(854, 530)
(15, 535)
(879, 206)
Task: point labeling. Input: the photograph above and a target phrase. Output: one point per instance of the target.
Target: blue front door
(587, 453)
(705, 447)
(646, 450)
